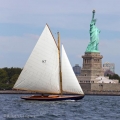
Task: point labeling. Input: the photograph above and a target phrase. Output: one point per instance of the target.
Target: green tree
(114, 76)
(14, 78)
(3, 76)
(8, 77)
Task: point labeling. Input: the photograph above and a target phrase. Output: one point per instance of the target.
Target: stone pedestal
(92, 67)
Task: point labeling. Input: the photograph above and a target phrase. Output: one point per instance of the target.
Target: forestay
(41, 72)
(69, 81)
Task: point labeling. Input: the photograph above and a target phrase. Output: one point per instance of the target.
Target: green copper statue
(94, 36)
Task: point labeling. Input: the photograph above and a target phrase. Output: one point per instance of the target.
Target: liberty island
(92, 74)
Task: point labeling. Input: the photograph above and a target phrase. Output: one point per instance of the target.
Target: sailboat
(45, 72)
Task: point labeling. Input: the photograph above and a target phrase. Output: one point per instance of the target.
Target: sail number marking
(43, 61)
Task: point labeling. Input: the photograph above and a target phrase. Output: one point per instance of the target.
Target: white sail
(41, 72)
(70, 83)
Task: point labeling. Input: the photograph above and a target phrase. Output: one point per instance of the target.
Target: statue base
(92, 67)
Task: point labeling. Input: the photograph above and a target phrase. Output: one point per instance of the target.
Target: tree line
(8, 77)
(114, 76)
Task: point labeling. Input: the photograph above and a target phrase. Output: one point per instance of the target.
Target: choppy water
(89, 108)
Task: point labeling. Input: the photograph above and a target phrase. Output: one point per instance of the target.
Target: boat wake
(70, 100)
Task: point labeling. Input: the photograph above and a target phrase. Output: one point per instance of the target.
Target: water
(89, 108)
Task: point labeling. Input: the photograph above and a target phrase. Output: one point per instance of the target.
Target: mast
(59, 63)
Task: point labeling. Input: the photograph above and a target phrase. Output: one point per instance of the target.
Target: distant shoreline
(97, 93)
(16, 92)
(103, 93)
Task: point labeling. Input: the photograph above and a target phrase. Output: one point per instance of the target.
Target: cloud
(58, 7)
(16, 49)
(66, 14)
(109, 49)
(17, 44)
(71, 18)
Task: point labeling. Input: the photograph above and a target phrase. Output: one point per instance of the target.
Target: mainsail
(41, 72)
(69, 81)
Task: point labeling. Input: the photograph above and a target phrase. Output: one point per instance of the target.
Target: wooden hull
(53, 97)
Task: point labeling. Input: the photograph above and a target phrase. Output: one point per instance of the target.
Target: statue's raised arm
(93, 14)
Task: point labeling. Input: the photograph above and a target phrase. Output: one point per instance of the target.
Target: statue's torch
(93, 14)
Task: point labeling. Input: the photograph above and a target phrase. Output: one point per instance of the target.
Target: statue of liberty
(94, 36)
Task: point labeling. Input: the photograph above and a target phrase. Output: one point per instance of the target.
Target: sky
(22, 22)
